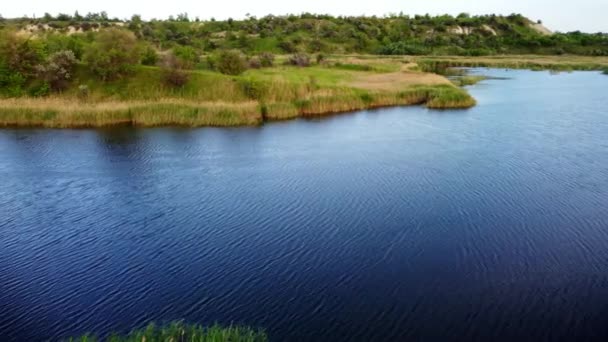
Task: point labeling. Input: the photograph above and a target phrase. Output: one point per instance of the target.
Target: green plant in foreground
(605, 72)
(179, 331)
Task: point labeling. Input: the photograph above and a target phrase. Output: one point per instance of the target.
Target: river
(381, 225)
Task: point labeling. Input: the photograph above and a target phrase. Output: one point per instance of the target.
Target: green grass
(463, 81)
(446, 97)
(213, 99)
(180, 332)
(605, 72)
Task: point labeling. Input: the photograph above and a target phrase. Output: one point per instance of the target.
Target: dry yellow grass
(397, 80)
(58, 112)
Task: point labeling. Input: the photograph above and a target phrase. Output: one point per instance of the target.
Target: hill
(394, 34)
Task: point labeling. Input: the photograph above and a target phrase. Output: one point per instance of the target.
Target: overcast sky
(584, 15)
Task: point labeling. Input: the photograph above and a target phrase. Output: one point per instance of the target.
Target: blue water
(383, 225)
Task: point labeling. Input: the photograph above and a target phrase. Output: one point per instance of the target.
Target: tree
(21, 54)
(58, 70)
(19, 57)
(113, 54)
(183, 17)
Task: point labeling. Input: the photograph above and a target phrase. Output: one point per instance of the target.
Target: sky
(564, 16)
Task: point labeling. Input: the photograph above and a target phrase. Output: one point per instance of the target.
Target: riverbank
(339, 84)
(257, 96)
(531, 62)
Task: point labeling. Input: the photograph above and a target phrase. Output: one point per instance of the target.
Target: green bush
(320, 58)
(299, 59)
(149, 56)
(12, 83)
(255, 63)
(266, 59)
(254, 89)
(40, 89)
(21, 55)
(58, 69)
(230, 62)
(173, 73)
(113, 54)
(187, 55)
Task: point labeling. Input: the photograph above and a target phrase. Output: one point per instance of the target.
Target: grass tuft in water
(462, 81)
(181, 332)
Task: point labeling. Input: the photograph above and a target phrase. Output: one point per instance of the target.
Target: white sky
(559, 15)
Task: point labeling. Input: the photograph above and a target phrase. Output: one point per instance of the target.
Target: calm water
(376, 226)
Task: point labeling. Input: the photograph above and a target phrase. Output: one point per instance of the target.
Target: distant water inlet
(385, 225)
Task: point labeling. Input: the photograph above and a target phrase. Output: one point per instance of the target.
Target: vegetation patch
(444, 65)
(463, 81)
(93, 71)
(179, 331)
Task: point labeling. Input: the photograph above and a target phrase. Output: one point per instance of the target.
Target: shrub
(255, 63)
(254, 89)
(40, 89)
(58, 69)
(187, 56)
(11, 83)
(266, 59)
(320, 58)
(299, 59)
(173, 73)
(230, 63)
(113, 54)
(149, 56)
(83, 92)
(287, 46)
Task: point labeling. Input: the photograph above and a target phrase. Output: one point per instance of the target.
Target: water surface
(384, 225)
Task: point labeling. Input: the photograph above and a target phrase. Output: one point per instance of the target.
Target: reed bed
(180, 332)
(65, 113)
(62, 113)
(566, 63)
(212, 99)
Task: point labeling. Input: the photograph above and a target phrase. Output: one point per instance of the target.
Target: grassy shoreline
(531, 62)
(60, 113)
(258, 96)
(342, 84)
